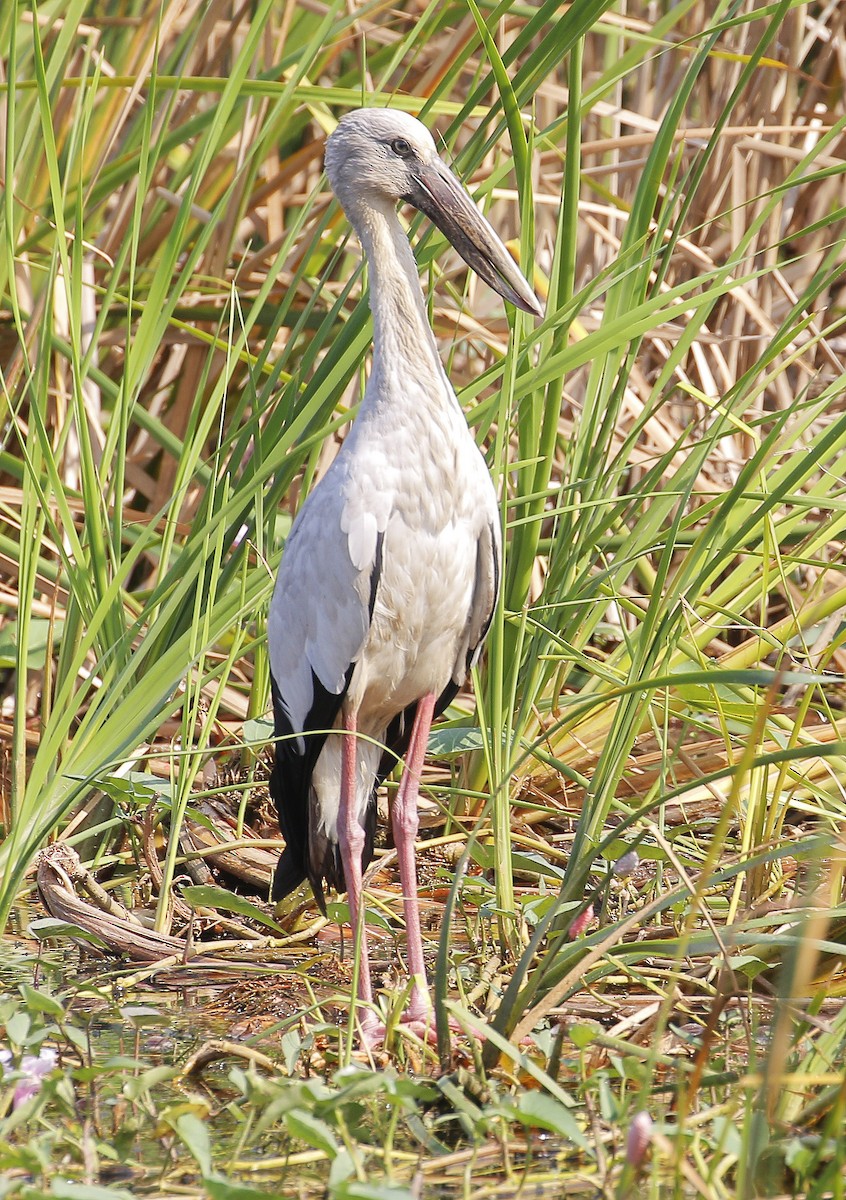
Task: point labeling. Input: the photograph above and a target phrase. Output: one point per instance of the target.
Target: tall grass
(183, 337)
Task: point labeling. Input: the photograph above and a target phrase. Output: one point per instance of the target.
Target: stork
(390, 573)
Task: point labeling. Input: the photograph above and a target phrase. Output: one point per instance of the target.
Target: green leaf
(372, 1191)
(209, 896)
(311, 1130)
(583, 1035)
(540, 1111)
(141, 1015)
(258, 731)
(38, 1001)
(342, 1168)
(140, 1086)
(138, 787)
(748, 964)
(41, 633)
(46, 928)
(18, 1027)
(195, 1134)
(219, 1188)
(448, 741)
(339, 910)
(66, 1189)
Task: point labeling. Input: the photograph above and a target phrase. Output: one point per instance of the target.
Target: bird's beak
(437, 193)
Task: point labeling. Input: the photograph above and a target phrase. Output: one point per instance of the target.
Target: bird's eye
(402, 147)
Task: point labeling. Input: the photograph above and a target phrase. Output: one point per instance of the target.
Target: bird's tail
(288, 875)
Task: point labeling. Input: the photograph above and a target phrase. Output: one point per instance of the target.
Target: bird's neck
(403, 341)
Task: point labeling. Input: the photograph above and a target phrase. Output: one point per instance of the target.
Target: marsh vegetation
(183, 342)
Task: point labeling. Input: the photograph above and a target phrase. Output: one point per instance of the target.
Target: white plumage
(390, 574)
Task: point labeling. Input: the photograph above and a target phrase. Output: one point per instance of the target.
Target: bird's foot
(371, 1031)
(420, 1009)
(418, 1019)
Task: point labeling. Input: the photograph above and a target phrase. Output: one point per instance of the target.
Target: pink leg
(351, 845)
(405, 825)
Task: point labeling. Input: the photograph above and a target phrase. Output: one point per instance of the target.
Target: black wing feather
(290, 782)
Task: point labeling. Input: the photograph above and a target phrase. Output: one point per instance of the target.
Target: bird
(390, 573)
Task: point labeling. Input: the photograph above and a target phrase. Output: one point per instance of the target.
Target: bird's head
(380, 154)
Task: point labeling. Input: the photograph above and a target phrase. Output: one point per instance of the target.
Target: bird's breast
(442, 500)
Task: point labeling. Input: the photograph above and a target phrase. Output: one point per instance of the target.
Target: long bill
(439, 195)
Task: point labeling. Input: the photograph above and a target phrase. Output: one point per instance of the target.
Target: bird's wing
(317, 625)
(321, 607)
(485, 592)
